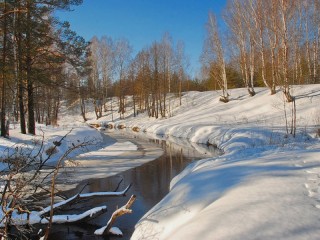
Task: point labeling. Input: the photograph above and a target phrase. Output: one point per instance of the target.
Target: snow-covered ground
(24, 144)
(264, 186)
(102, 156)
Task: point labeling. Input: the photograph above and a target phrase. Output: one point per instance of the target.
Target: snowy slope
(264, 186)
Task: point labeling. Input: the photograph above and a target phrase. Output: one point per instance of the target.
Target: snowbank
(265, 186)
(26, 144)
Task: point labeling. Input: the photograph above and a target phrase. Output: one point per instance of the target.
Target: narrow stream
(150, 183)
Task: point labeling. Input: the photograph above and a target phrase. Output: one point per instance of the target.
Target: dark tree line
(35, 48)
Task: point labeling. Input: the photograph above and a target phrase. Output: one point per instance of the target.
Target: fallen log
(83, 196)
(19, 218)
(119, 212)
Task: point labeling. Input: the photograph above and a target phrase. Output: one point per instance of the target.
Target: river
(150, 183)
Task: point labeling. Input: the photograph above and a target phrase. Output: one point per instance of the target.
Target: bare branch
(119, 212)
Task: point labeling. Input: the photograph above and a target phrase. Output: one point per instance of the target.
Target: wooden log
(117, 213)
(83, 196)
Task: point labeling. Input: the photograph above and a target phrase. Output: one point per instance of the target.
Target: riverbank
(150, 182)
(117, 155)
(266, 176)
(100, 157)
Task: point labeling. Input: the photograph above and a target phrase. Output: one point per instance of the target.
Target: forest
(254, 43)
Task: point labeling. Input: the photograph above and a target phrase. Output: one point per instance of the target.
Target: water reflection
(150, 183)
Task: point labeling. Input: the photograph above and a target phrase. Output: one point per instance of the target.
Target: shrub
(136, 129)
(51, 150)
(121, 126)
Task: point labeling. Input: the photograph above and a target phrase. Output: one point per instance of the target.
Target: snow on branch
(84, 196)
(38, 217)
(90, 214)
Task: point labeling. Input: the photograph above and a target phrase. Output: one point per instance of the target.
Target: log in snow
(83, 196)
(40, 217)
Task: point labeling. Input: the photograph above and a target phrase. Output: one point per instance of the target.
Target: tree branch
(119, 212)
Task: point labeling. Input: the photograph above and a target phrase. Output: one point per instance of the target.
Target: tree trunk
(252, 53)
(285, 52)
(30, 93)
(21, 87)
(3, 74)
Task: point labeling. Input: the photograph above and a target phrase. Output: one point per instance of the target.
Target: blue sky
(145, 21)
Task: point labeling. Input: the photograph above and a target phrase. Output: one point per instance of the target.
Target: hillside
(264, 186)
(202, 118)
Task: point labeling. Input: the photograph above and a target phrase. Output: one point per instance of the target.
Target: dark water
(150, 183)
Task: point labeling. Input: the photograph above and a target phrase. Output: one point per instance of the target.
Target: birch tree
(181, 62)
(122, 57)
(214, 45)
(241, 28)
(106, 54)
(286, 13)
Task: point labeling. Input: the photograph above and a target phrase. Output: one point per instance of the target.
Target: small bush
(136, 129)
(121, 126)
(15, 162)
(318, 132)
(316, 122)
(224, 99)
(51, 150)
(94, 125)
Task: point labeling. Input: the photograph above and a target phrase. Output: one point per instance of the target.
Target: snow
(101, 157)
(24, 143)
(264, 186)
(74, 217)
(116, 231)
(35, 217)
(100, 231)
(83, 195)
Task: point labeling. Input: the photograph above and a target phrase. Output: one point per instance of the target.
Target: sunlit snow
(264, 186)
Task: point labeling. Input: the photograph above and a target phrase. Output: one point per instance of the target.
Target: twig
(118, 185)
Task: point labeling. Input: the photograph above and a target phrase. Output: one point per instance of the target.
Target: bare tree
(167, 58)
(214, 46)
(240, 24)
(95, 83)
(286, 13)
(273, 37)
(181, 63)
(122, 57)
(106, 53)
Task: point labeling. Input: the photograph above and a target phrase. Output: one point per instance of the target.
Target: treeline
(35, 48)
(274, 43)
(263, 43)
(148, 77)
